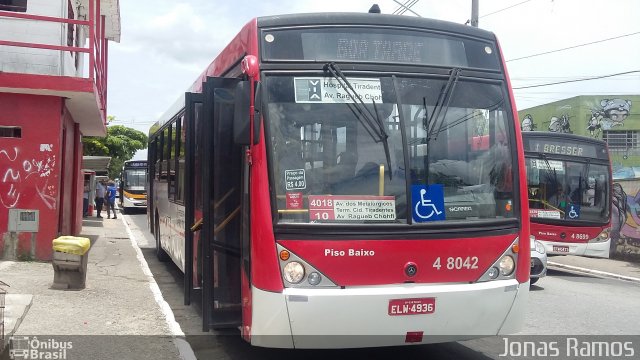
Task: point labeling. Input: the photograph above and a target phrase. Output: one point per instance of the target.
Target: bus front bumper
(360, 316)
(595, 249)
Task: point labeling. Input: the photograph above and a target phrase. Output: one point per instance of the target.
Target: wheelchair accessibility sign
(573, 211)
(427, 202)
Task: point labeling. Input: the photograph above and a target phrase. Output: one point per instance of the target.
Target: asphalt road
(560, 304)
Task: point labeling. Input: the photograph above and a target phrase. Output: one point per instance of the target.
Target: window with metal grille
(621, 140)
(13, 5)
(10, 132)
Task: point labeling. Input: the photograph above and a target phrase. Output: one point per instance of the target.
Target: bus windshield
(567, 190)
(329, 162)
(135, 178)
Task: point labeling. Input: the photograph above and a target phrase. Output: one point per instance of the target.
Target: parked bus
(569, 182)
(133, 185)
(320, 178)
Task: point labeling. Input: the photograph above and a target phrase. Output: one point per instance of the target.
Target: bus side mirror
(241, 119)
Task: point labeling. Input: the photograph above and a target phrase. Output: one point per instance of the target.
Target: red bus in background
(320, 179)
(570, 186)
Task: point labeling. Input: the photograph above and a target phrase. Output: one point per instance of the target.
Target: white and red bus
(569, 181)
(320, 185)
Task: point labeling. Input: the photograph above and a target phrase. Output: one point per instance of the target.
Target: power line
(509, 7)
(497, 11)
(575, 46)
(576, 80)
(405, 7)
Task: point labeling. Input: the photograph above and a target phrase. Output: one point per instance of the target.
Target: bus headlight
(539, 247)
(507, 265)
(314, 278)
(293, 272)
(493, 272)
(604, 235)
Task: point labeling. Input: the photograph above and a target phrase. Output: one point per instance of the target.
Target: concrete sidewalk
(121, 298)
(609, 268)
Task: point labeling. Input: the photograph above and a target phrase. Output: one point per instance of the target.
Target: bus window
(180, 159)
(172, 160)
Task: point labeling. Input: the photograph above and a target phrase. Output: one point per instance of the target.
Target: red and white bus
(320, 187)
(569, 181)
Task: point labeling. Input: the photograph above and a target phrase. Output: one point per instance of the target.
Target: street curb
(552, 264)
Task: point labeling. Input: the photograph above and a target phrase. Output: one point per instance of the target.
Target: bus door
(151, 171)
(222, 193)
(193, 192)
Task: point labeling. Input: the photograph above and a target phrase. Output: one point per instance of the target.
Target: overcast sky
(166, 44)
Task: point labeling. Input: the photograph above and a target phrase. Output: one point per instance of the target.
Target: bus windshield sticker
(351, 208)
(547, 165)
(294, 200)
(427, 202)
(545, 214)
(295, 179)
(573, 211)
(329, 91)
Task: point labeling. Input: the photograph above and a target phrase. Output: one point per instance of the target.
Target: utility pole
(474, 12)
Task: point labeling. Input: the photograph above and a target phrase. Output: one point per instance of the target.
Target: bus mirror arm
(257, 112)
(242, 115)
(197, 226)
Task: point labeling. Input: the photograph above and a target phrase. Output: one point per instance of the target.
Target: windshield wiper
(370, 121)
(555, 175)
(443, 103)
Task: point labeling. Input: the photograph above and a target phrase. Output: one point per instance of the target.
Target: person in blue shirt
(101, 193)
(110, 199)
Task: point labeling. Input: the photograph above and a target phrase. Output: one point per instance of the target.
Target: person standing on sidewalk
(101, 192)
(111, 199)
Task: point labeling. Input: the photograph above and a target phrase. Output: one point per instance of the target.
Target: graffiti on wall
(556, 124)
(560, 124)
(625, 221)
(527, 123)
(25, 175)
(611, 113)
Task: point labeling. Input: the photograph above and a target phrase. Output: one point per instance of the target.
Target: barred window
(13, 5)
(621, 140)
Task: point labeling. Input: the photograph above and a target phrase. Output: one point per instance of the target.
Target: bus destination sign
(565, 148)
(389, 48)
(379, 45)
(137, 164)
(351, 208)
(329, 90)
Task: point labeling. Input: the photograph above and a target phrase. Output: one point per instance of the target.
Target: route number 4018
(457, 263)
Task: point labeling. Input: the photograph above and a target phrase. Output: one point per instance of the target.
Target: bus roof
(330, 18)
(246, 39)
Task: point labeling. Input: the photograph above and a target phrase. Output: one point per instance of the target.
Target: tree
(121, 143)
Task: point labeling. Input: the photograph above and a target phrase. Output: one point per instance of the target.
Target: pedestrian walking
(111, 199)
(101, 193)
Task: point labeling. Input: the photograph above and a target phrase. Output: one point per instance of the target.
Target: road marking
(594, 272)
